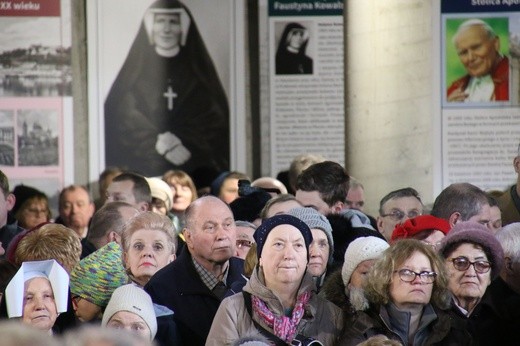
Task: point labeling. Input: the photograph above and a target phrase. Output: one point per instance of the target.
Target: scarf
(284, 327)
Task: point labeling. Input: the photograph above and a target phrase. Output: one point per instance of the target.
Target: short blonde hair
(50, 241)
(150, 221)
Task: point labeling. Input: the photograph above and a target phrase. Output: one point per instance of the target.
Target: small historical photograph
(37, 137)
(6, 137)
(292, 54)
(34, 61)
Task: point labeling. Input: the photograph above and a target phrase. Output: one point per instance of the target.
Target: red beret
(411, 227)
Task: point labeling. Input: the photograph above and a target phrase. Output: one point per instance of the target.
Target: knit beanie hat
(359, 250)
(96, 276)
(161, 190)
(267, 226)
(135, 300)
(475, 233)
(23, 193)
(411, 227)
(314, 219)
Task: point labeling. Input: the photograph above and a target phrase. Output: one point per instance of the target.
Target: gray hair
(474, 22)
(509, 238)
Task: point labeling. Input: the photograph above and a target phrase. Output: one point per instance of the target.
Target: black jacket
(496, 318)
(442, 329)
(179, 287)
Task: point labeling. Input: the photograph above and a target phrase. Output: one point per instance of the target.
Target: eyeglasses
(408, 275)
(433, 245)
(244, 243)
(462, 263)
(398, 215)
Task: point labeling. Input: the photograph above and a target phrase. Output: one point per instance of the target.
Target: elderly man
(478, 48)
(196, 282)
(76, 208)
(397, 207)
(131, 188)
(509, 201)
(462, 202)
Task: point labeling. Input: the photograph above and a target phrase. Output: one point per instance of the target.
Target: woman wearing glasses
(407, 289)
(473, 258)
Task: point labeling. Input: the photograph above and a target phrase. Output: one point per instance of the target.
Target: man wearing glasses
(397, 207)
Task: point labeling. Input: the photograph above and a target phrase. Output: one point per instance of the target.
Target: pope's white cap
(50, 269)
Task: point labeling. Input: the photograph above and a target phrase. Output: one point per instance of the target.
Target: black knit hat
(23, 193)
(267, 226)
(248, 208)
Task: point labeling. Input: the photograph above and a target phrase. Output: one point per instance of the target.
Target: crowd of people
(166, 261)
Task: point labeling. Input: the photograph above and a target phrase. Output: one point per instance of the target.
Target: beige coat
(322, 319)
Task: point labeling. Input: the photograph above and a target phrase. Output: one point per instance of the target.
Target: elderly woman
(148, 245)
(38, 293)
(474, 257)
(407, 288)
(279, 300)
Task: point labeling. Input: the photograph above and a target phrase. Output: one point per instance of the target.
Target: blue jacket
(179, 287)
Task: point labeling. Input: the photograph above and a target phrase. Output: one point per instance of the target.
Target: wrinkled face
(84, 310)
(244, 240)
(356, 198)
(33, 214)
(397, 210)
(126, 320)
(39, 307)
(149, 251)
(318, 252)
(167, 30)
(282, 207)
(211, 236)
(313, 200)
(468, 284)
(229, 190)
(477, 52)
(76, 209)
(284, 256)
(182, 196)
(359, 275)
(403, 293)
